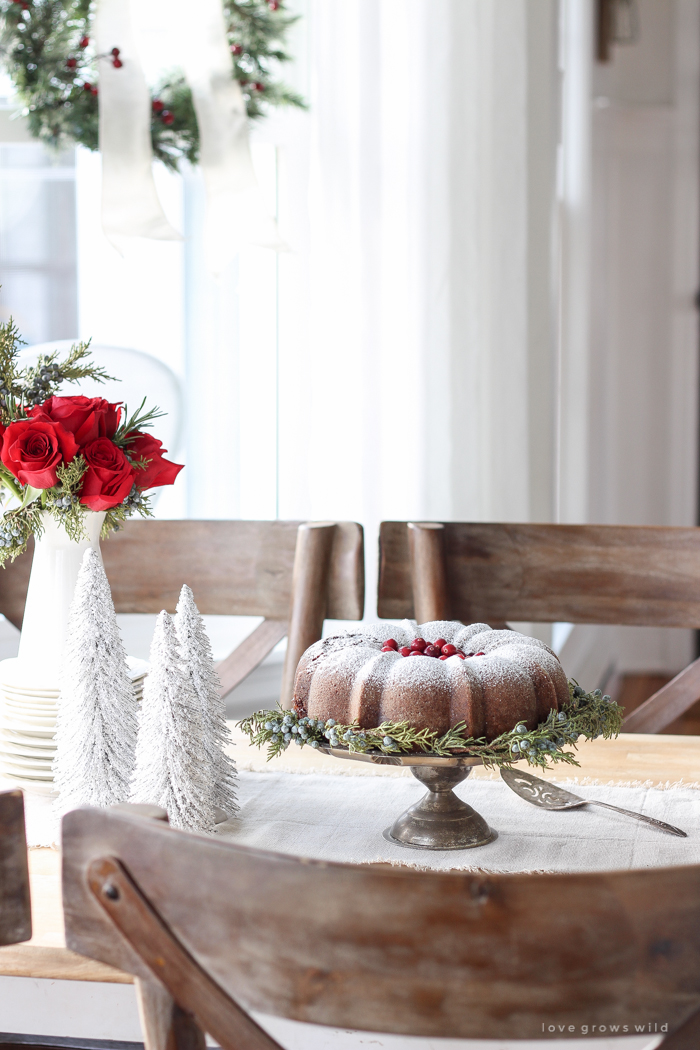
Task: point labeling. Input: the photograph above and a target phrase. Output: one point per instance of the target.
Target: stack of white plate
(28, 724)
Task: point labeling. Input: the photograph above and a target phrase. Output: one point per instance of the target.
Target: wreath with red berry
(47, 50)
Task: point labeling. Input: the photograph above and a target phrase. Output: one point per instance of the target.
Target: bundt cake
(432, 676)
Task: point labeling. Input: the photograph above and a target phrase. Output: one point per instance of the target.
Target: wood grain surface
(199, 1004)
(657, 760)
(454, 955)
(241, 568)
(603, 574)
(15, 911)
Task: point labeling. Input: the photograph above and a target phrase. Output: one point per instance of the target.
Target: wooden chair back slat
(451, 955)
(15, 912)
(237, 568)
(602, 574)
(294, 574)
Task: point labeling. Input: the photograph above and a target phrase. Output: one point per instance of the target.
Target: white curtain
(415, 311)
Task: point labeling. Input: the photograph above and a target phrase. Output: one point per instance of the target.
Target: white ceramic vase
(54, 574)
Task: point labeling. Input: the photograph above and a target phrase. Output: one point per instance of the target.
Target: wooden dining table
(642, 758)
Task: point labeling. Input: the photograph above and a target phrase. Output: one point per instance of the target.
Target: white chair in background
(138, 375)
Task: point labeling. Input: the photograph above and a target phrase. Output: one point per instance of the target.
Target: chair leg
(164, 1024)
(312, 561)
(426, 543)
(249, 654)
(667, 704)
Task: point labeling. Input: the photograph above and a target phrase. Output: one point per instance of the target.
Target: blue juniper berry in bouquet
(68, 455)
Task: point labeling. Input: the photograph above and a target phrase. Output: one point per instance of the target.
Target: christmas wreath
(587, 714)
(48, 52)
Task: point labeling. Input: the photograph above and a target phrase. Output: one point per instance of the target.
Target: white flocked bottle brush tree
(198, 661)
(171, 766)
(96, 724)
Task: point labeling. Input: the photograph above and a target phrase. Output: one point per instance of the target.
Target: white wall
(642, 372)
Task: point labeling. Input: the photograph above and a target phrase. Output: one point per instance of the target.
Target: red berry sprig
(160, 111)
(439, 649)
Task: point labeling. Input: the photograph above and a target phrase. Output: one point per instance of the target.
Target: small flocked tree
(198, 662)
(171, 767)
(97, 711)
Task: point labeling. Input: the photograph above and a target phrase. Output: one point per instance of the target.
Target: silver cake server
(551, 796)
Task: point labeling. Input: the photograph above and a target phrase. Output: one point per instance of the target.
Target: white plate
(35, 785)
(8, 768)
(17, 737)
(10, 747)
(28, 705)
(27, 767)
(38, 694)
(25, 730)
(32, 718)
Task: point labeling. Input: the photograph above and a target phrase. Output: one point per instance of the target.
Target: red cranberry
(167, 117)
(93, 90)
(419, 643)
(387, 649)
(71, 63)
(449, 650)
(439, 642)
(259, 86)
(392, 643)
(461, 656)
(84, 41)
(117, 63)
(115, 51)
(416, 652)
(431, 650)
(157, 106)
(405, 651)
(444, 657)
(236, 49)
(87, 87)
(479, 654)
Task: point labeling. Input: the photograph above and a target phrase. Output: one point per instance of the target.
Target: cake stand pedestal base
(440, 820)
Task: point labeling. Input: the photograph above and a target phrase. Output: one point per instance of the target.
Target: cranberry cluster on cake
(432, 676)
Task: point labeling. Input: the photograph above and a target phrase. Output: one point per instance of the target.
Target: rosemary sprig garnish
(587, 714)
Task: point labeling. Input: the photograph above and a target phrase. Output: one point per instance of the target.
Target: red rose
(109, 477)
(87, 418)
(33, 448)
(159, 471)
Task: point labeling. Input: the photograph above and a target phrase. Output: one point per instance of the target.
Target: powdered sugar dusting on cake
(381, 632)
(435, 629)
(348, 676)
(489, 640)
(419, 670)
(464, 636)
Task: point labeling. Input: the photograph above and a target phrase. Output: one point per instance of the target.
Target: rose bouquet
(66, 456)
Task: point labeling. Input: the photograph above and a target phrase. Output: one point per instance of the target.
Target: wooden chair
(294, 574)
(15, 914)
(598, 574)
(212, 930)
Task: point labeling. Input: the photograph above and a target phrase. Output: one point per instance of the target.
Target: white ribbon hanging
(130, 204)
(236, 214)
(196, 41)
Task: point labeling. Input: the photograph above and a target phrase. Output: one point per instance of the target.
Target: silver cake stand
(440, 820)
